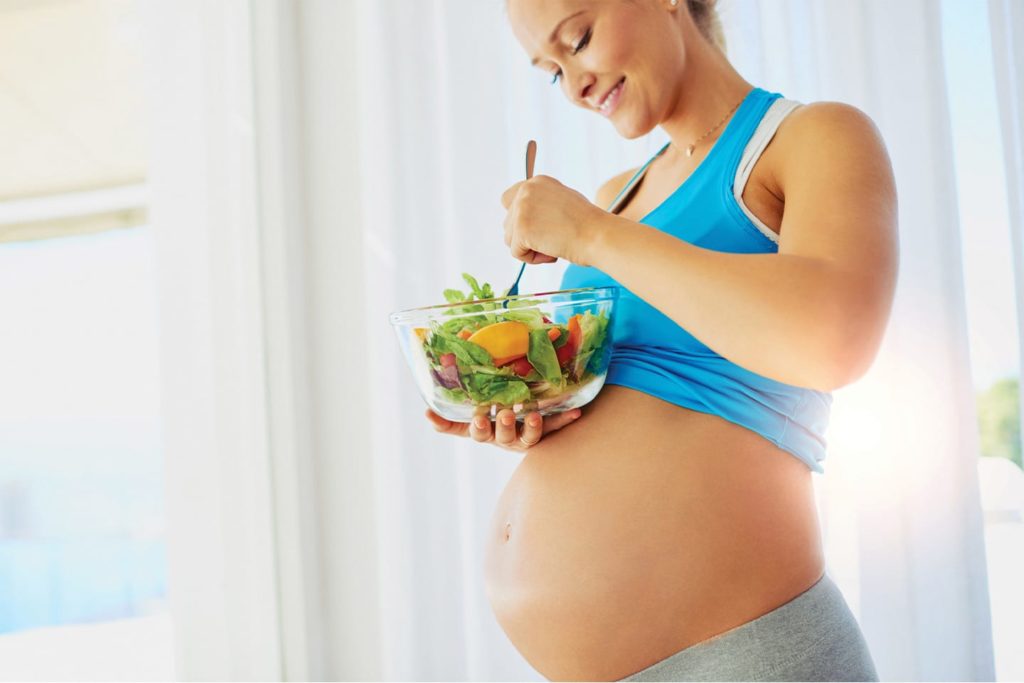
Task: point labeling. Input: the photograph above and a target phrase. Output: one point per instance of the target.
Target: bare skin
(600, 564)
(505, 432)
(643, 528)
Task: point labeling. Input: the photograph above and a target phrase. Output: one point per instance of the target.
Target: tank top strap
(635, 179)
(740, 130)
(730, 145)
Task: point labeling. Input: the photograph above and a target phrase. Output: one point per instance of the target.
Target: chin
(632, 132)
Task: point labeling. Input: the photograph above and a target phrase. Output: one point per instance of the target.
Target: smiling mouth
(610, 97)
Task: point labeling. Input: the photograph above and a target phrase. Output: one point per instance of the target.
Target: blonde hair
(705, 15)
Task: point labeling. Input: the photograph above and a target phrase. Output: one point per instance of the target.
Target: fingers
(534, 257)
(510, 194)
(533, 427)
(480, 429)
(555, 422)
(505, 433)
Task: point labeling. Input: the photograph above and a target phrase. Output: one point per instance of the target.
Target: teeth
(608, 100)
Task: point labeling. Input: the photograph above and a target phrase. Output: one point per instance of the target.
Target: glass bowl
(545, 352)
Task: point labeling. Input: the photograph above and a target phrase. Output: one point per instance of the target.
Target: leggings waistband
(812, 637)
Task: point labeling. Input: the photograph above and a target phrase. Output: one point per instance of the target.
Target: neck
(708, 92)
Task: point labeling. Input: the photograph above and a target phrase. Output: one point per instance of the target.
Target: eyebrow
(551, 38)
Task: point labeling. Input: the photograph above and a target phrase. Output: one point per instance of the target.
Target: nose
(580, 87)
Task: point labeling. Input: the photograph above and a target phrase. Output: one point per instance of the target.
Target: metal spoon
(531, 156)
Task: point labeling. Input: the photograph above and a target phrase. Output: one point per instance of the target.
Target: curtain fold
(1006, 22)
(901, 505)
(446, 101)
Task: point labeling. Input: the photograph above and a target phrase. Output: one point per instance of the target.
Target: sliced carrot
(575, 333)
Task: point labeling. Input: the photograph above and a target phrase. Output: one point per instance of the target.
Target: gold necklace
(693, 145)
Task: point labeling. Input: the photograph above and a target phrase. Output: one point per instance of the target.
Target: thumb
(446, 426)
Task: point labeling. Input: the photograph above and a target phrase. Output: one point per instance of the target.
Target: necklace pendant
(689, 150)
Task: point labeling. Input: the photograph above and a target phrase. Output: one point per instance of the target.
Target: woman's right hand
(506, 432)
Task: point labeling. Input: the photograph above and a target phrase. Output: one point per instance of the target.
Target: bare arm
(813, 314)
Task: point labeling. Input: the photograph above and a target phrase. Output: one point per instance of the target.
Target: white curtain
(1006, 20)
(903, 522)
(414, 118)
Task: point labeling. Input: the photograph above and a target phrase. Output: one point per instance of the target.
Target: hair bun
(705, 15)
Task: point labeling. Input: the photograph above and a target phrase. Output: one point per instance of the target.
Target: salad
(511, 355)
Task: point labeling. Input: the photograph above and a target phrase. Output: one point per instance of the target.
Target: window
(992, 317)
(81, 484)
(83, 569)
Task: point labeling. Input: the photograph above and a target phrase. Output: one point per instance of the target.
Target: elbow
(845, 370)
(850, 359)
(856, 342)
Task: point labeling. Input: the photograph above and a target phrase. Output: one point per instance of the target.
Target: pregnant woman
(671, 531)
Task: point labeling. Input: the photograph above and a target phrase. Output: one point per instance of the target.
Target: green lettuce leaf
(531, 317)
(454, 296)
(521, 303)
(504, 371)
(466, 352)
(541, 354)
(593, 330)
(513, 392)
(563, 337)
(453, 395)
(489, 388)
(474, 287)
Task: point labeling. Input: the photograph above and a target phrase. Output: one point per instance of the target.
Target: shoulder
(818, 122)
(611, 188)
(820, 136)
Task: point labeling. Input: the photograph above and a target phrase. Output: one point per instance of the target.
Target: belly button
(508, 531)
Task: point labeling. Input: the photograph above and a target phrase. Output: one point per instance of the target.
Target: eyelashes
(582, 44)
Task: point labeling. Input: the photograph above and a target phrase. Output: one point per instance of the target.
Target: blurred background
(213, 462)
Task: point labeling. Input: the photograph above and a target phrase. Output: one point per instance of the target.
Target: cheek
(618, 52)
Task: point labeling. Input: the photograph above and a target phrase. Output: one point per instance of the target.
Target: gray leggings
(813, 637)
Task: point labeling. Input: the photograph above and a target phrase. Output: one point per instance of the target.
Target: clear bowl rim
(410, 314)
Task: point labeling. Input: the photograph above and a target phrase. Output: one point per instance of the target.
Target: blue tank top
(652, 354)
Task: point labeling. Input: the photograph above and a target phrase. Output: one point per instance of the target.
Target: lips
(610, 101)
(604, 99)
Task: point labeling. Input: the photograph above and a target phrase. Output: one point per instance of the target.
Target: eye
(579, 46)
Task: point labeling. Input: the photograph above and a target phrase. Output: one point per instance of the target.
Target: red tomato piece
(521, 366)
(565, 353)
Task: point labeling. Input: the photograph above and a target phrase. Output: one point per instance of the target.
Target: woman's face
(632, 50)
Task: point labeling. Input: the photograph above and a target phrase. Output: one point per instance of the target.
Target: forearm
(786, 317)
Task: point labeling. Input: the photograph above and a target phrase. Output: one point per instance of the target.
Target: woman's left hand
(547, 220)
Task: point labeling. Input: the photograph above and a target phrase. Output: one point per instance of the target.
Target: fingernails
(507, 420)
(480, 422)
(576, 413)
(535, 420)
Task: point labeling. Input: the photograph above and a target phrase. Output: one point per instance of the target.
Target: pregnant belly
(641, 529)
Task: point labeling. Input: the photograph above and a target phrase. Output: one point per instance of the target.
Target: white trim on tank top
(765, 131)
(762, 135)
